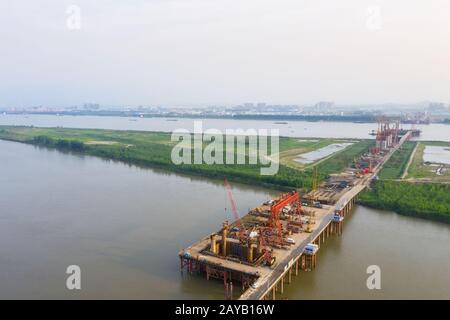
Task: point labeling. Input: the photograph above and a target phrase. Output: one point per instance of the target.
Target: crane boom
(234, 209)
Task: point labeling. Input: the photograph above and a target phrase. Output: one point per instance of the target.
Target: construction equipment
(240, 231)
(299, 209)
(317, 204)
(337, 217)
(315, 179)
(268, 258)
(311, 248)
(308, 225)
(283, 201)
(313, 199)
(311, 221)
(314, 186)
(277, 206)
(388, 134)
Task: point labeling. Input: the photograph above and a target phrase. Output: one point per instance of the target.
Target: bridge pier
(337, 227)
(306, 262)
(310, 262)
(290, 275)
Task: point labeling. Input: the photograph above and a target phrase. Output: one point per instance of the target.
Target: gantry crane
(277, 206)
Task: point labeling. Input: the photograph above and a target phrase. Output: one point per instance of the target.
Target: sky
(196, 52)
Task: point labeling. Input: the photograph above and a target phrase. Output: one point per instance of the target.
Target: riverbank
(400, 190)
(121, 224)
(422, 200)
(153, 149)
(310, 129)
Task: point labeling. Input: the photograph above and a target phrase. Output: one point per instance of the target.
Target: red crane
(235, 211)
(284, 201)
(274, 220)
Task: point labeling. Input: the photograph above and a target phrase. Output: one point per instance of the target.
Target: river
(121, 224)
(291, 128)
(124, 226)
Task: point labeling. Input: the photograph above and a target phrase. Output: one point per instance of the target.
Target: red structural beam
(284, 201)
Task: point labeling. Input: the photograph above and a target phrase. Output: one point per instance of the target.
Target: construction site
(256, 254)
(388, 135)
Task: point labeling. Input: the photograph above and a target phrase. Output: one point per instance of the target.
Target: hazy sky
(223, 51)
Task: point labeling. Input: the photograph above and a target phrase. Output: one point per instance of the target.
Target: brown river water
(124, 226)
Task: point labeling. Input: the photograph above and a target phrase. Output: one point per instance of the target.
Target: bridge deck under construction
(239, 254)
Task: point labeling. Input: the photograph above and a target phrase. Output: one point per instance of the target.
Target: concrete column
(224, 238)
(250, 252)
(213, 244)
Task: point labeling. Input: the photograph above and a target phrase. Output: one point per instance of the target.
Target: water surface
(310, 157)
(121, 224)
(124, 226)
(318, 129)
(437, 154)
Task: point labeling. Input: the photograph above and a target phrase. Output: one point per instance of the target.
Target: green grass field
(342, 159)
(394, 167)
(154, 149)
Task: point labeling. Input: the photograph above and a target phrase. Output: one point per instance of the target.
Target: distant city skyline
(321, 107)
(222, 52)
